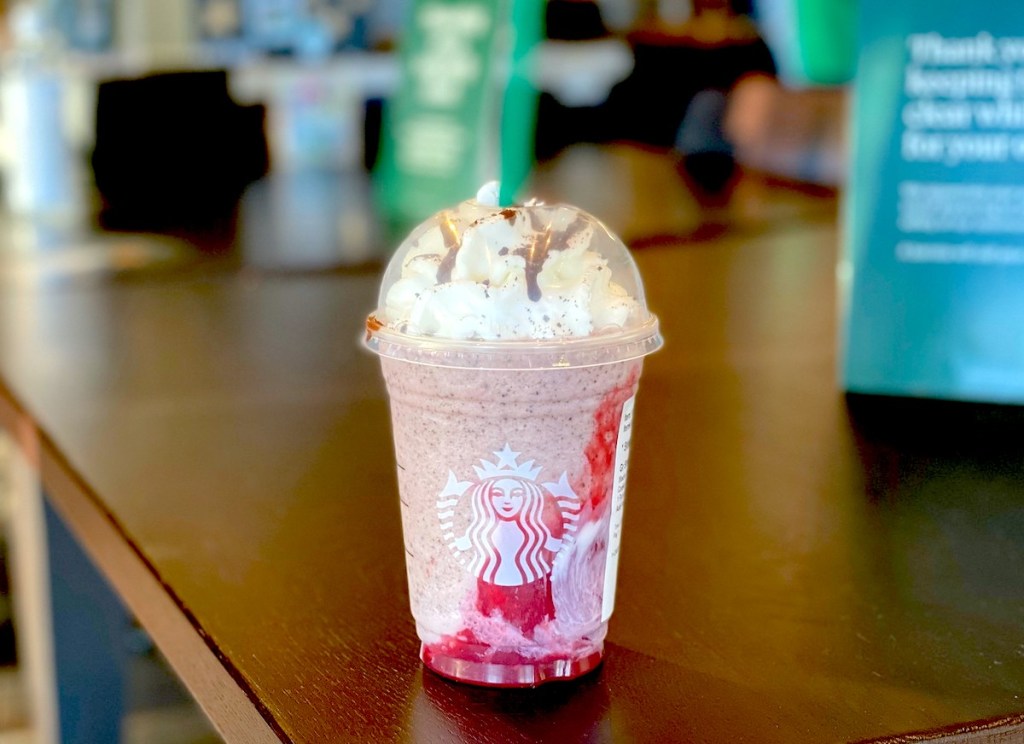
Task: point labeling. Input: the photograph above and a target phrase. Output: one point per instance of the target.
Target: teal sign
(933, 273)
(827, 39)
(813, 41)
(441, 128)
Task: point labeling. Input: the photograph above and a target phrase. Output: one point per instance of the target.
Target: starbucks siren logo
(507, 541)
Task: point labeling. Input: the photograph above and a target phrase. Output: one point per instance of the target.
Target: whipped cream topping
(485, 273)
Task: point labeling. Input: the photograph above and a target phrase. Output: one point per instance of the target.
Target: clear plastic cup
(512, 450)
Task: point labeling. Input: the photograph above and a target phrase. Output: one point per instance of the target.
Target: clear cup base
(509, 675)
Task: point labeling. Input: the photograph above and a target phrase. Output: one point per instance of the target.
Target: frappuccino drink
(512, 341)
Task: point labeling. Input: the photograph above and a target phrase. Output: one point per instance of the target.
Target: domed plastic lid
(523, 287)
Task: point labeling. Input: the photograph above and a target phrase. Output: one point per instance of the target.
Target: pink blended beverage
(512, 341)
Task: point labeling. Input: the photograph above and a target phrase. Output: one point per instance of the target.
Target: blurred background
(160, 115)
(140, 135)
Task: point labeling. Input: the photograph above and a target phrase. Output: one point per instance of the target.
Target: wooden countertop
(795, 568)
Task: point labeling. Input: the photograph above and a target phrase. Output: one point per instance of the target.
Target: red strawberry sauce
(528, 606)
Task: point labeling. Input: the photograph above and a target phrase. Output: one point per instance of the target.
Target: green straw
(519, 108)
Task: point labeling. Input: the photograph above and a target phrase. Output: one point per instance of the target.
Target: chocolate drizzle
(575, 227)
(536, 253)
(452, 244)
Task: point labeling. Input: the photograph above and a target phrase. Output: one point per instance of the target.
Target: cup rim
(525, 354)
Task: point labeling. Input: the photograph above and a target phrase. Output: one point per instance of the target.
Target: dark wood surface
(796, 567)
